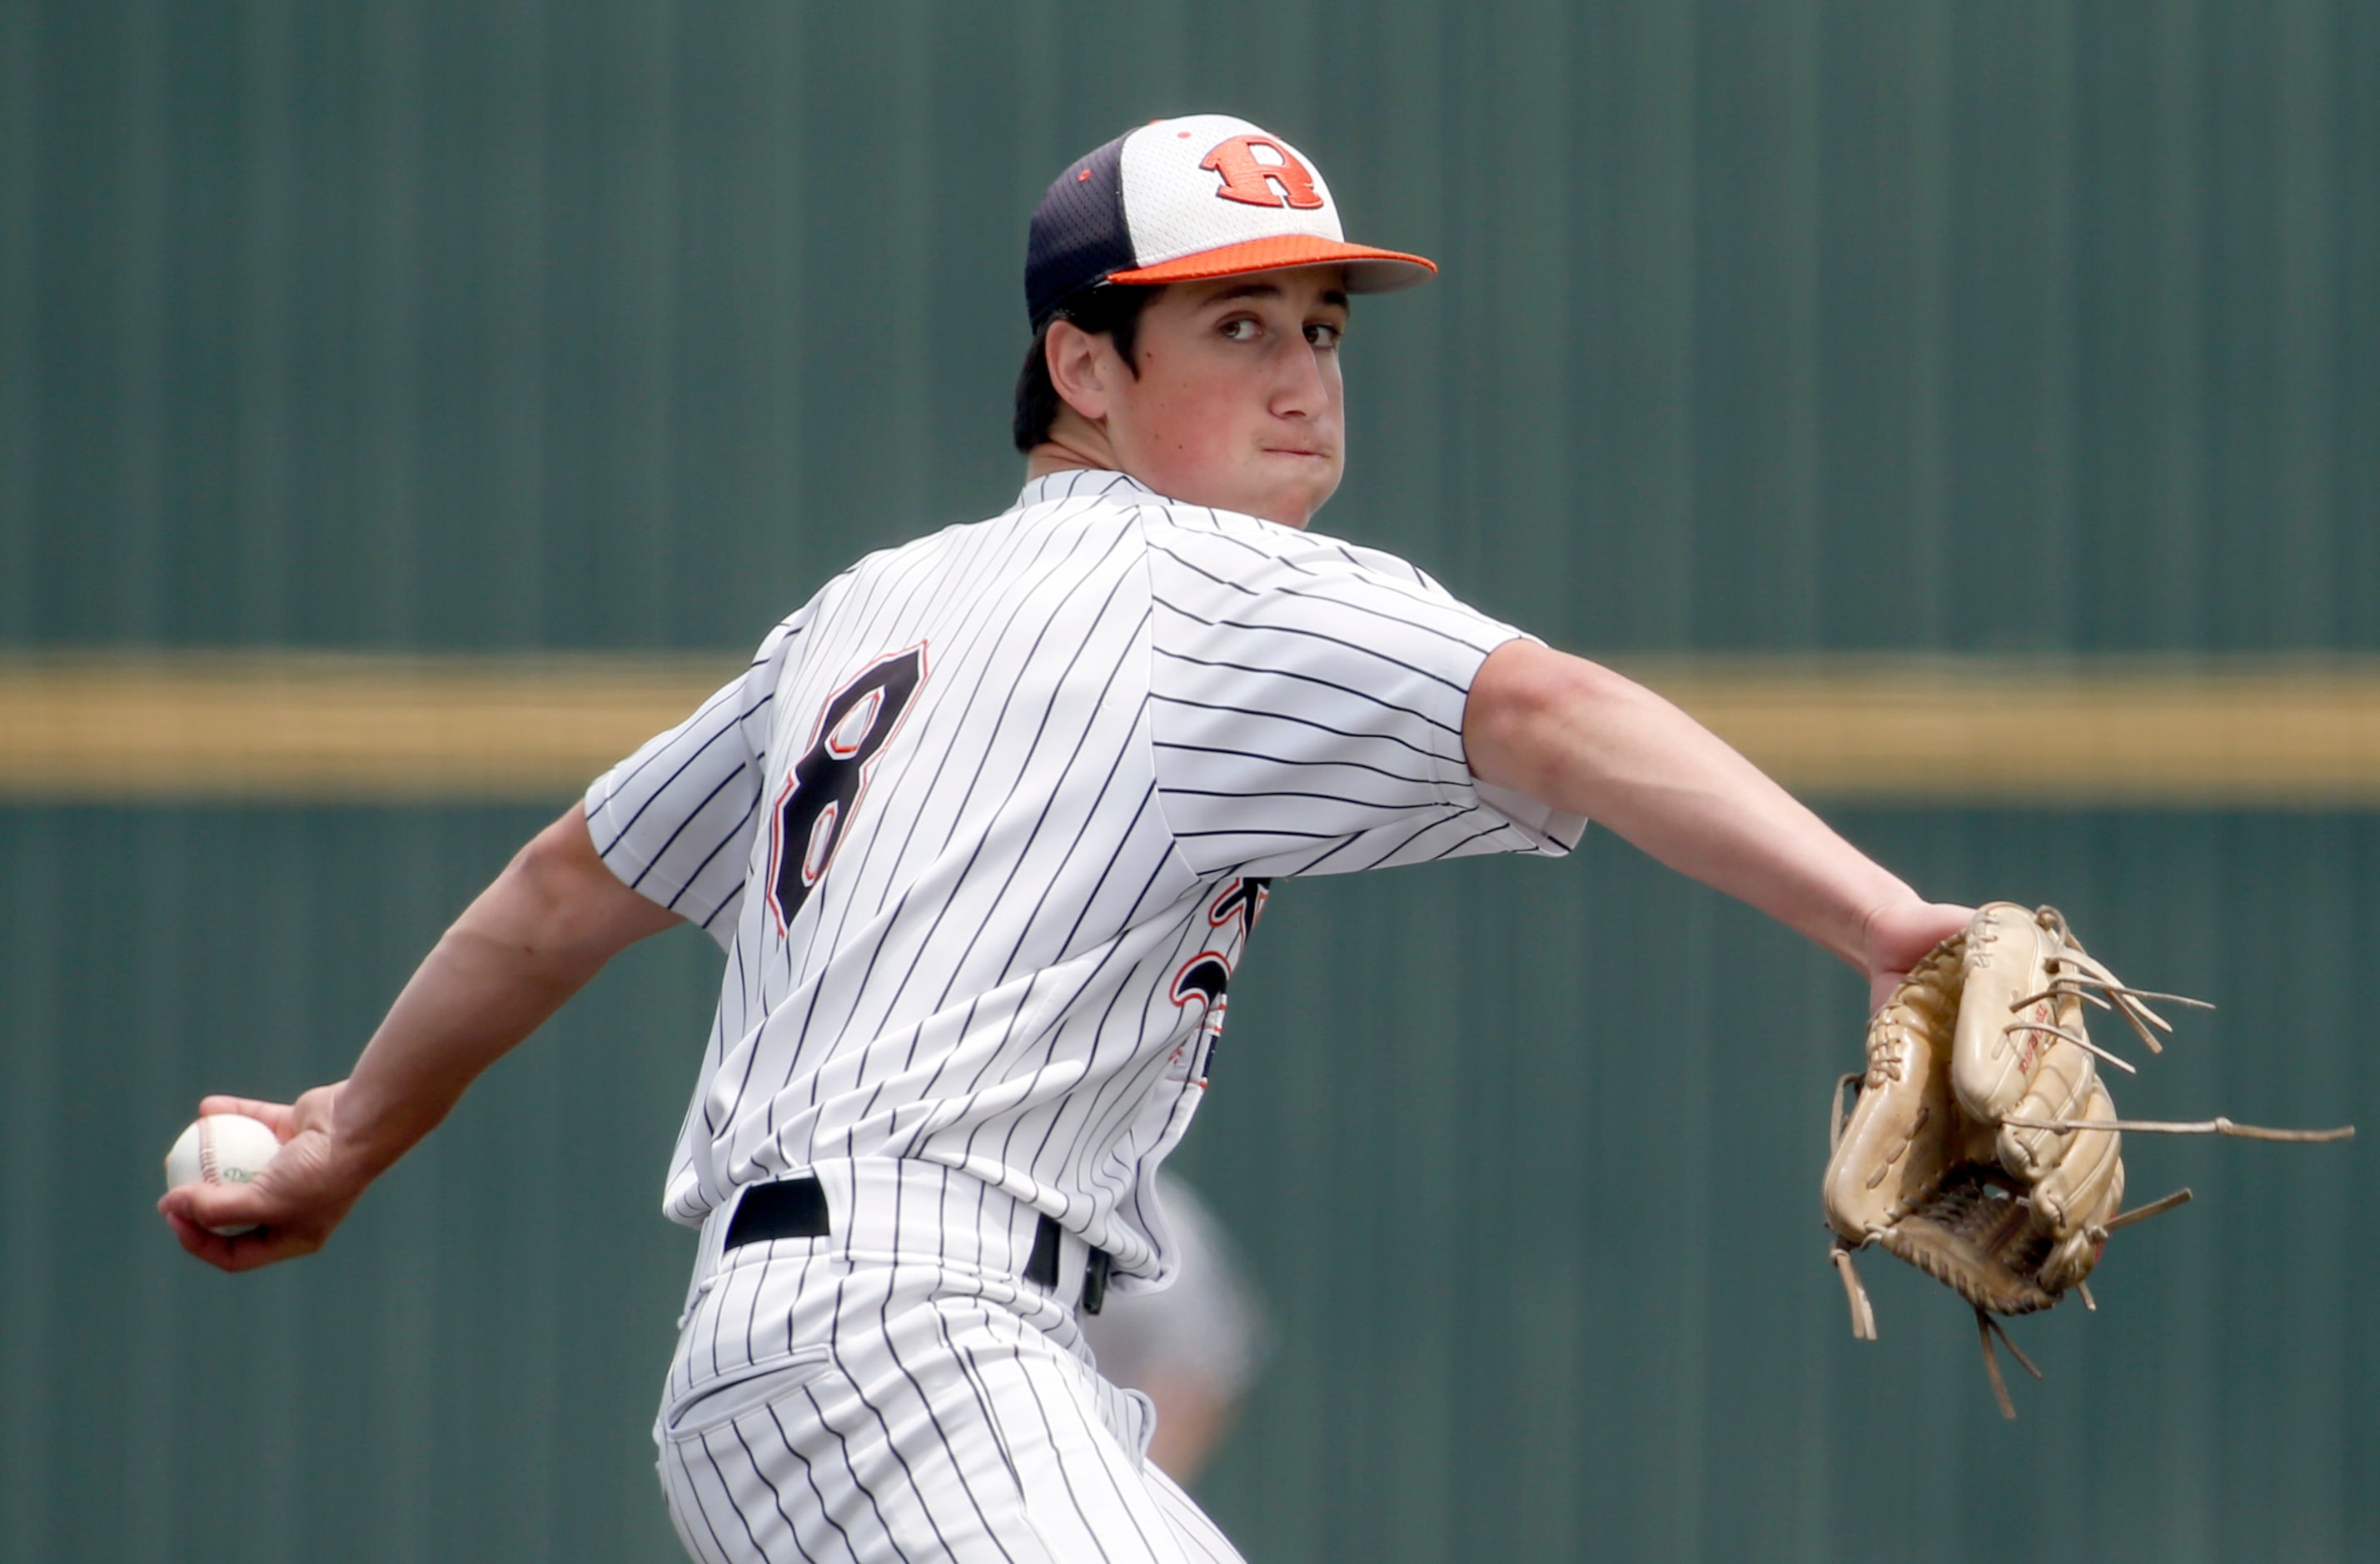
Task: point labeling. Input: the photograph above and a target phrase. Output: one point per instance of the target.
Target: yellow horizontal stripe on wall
(2247, 732)
(327, 728)
(305, 727)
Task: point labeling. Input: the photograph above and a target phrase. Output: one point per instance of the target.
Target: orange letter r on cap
(1245, 179)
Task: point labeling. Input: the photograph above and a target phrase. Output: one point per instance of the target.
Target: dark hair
(1103, 310)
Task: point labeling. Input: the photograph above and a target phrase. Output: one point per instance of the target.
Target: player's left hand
(1898, 935)
(293, 1203)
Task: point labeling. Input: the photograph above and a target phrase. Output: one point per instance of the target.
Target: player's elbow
(560, 908)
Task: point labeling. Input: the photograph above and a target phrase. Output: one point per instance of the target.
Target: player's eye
(1323, 333)
(1239, 328)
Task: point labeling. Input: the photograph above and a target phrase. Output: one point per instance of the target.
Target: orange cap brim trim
(1370, 271)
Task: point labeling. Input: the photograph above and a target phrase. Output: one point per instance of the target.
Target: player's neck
(1075, 444)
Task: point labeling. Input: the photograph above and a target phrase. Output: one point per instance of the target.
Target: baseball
(221, 1148)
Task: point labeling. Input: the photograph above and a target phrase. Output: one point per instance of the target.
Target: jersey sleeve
(1306, 707)
(674, 820)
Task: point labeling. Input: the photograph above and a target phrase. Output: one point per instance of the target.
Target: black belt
(796, 1208)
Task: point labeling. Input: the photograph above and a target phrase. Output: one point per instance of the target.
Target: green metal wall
(1996, 326)
(1770, 326)
(1526, 1155)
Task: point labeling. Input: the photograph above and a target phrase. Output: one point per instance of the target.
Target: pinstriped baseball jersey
(984, 827)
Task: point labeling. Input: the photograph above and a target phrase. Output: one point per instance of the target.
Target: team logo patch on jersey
(1205, 979)
(1277, 180)
(1243, 902)
(814, 811)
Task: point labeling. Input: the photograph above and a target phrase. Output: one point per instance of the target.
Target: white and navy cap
(1203, 195)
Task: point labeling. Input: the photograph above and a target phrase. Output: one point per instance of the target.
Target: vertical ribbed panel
(469, 1370)
(1978, 327)
(1526, 1156)
(1973, 327)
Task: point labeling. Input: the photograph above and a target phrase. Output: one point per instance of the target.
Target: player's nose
(1300, 385)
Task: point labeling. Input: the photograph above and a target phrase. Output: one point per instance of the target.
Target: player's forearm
(1586, 740)
(470, 1001)
(532, 939)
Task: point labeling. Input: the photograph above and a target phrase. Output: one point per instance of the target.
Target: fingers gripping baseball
(293, 1204)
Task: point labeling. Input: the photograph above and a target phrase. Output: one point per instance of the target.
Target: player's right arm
(532, 939)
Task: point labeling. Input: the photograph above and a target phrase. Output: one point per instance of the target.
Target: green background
(1764, 327)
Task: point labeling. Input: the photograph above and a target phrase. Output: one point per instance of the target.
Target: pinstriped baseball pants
(898, 1391)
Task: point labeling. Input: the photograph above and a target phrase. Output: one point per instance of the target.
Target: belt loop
(1041, 1270)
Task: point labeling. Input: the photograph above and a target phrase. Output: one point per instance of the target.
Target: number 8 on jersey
(824, 790)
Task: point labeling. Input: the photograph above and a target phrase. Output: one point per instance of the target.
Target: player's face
(1238, 404)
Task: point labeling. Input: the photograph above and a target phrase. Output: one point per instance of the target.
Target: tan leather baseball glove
(1983, 1148)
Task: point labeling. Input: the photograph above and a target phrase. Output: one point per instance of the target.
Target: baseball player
(984, 831)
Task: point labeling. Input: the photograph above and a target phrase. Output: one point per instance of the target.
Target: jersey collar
(1084, 483)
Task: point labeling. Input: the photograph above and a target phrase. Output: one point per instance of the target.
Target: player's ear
(1079, 368)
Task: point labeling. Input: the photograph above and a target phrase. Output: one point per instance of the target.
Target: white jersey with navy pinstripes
(985, 826)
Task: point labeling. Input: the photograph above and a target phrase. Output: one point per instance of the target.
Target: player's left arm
(1576, 735)
(532, 939)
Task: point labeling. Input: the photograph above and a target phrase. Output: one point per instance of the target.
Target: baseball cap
(1204, 195)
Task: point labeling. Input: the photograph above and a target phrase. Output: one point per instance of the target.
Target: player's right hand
(293, 1203)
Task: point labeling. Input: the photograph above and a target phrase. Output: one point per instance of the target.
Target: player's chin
(1299, 484)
